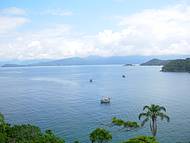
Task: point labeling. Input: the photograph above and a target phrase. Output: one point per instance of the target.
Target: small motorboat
(90, 80)
(105, 100)
(123, 76)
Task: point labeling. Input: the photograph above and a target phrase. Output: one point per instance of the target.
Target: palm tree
(100, 135)
(151, 114)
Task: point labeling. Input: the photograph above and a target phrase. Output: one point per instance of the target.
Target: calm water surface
(62, 99)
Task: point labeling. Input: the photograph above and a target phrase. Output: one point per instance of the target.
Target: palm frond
(142, 115)
(164, 116)
(144, 121)
(146, 107)
(162, 108)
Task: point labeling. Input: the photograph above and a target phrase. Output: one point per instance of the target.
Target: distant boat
(123, 76)
(105, 100)
(90, 80)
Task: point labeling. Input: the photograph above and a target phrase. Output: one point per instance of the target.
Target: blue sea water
(63, 99)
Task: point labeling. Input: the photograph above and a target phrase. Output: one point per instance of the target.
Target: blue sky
(87, 15)
(92, 27)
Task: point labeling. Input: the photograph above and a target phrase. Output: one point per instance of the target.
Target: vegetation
(100, 135)
(181, 65)
(25, 134)
(142, 139)
(151, 114)
(32, 134)
(129, 125)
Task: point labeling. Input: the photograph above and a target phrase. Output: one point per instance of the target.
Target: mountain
(91, 60)
(179, 65)
(155, 62)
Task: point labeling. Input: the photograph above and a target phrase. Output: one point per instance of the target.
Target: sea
(62, 99)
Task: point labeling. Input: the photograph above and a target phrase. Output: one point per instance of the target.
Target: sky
(55, 29)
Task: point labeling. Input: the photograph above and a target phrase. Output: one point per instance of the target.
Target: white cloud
(10, 23)
(55, 42)
(12, 11)
(150, 32)
(11, 18)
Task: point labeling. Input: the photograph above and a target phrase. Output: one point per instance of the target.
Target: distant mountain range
(93, 60)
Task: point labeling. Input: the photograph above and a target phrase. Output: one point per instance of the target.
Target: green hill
(179, 65)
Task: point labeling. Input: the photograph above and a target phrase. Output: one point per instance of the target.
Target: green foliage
(128, 124)
(142, 139)
(181, 65)
(25, 134)
(151, 113)
(2, 120)
(118, 122)
(131, 124)
(100, 135)
(3, 138)
(49, 137)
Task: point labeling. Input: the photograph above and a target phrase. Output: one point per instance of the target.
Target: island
(128, 65)
(179, 65)
(155, 62)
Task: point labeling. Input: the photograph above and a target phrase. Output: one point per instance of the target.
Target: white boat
(105, 100)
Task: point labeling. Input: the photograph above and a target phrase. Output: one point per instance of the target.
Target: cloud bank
(163, 31)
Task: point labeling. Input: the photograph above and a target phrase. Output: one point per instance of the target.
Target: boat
(123, 76)
(105, 100)
(90, 80)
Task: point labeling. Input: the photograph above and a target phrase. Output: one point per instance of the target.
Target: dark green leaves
(142, 139)
(151, 113)
(125, 124)
(25, 134)
(100, 135)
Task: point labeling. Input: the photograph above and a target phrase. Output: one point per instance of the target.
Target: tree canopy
(100, 135)
(25, 134)
(142, 139)
(129, 125)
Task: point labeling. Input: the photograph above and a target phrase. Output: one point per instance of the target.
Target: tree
(127, 125)
(151, 113)
(142, 139)
(49, 137)
(2, 119)
(100, 135)
(25, 134)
